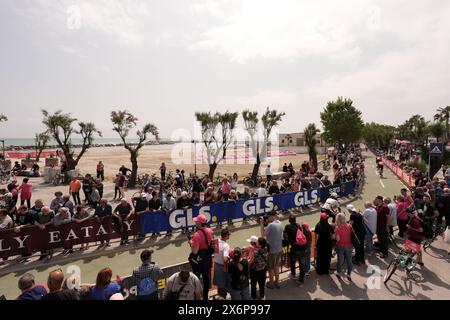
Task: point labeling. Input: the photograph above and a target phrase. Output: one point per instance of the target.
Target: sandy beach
(174, 156)
(149, 161)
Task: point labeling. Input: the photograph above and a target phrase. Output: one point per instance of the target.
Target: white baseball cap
(351, 207)
(252, 239)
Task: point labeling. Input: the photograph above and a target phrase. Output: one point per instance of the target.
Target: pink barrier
(24, 154)
(403, 176)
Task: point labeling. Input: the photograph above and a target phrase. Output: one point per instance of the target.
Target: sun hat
(200, 218)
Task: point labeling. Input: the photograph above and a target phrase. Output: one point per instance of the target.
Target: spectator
(123, 170)
(268, 172)
(343, 236)
(74, 190)
(162, 171)
(415, 231)
(225, 188)
(23, 218)
(63, 217)
(141, 205)
(87, 188)
(274, 189)
(195, 199)
(38, 205)
(238, 268)
(99, 185)
(117, 193)
(101, 212)
(370, 225)
(201, 248)
(146, 277)
(80, 216)
(25, 193)
(5, 220)
(57, 202)
(392, 217)
(262, 192)
(68, 204)
(168, 206)
(221, 279)
(356, 221)
(121, 214)
(297, 252)
(324, 244)
(94, 196)
(121, 184)
(100, 170)
(209, 194)
(258, 269)
(183, 285)
(29, 290)
(56, 292)
(273, 233)
(402, 216)
(382, 233)
(104, 288)
(326, 182)
(42, 220)
(234, 181)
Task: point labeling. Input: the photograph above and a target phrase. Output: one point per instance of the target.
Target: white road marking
(382, 184)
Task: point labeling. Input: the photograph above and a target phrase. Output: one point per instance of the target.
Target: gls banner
(159, 221)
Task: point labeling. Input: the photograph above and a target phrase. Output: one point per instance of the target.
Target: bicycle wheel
(427, 243)
(390, 271)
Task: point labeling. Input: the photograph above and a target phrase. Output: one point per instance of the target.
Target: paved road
(435, 281)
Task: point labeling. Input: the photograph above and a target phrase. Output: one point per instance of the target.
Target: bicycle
(404, 260)
(57, 179)
(248, 181)
(6, 176)
(438, 230)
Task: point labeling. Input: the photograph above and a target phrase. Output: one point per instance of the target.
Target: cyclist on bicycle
(380, 166)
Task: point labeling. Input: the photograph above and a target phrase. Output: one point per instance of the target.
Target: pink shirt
(401, 211)
(345, 235)
(226, 188)
(198, 239)
(26, 191)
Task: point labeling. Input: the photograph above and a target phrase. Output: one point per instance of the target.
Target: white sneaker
(337, 274)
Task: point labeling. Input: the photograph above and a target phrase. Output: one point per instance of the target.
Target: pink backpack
(300, 238)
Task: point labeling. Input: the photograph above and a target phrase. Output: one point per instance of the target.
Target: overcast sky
(166, 59)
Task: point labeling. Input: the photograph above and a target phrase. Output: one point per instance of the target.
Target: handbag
(211, 247)
(174, 295)
(354, 238)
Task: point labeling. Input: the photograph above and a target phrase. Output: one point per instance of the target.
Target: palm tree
(310, 139)
(443, 116)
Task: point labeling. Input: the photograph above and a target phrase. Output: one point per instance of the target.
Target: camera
(265, 219)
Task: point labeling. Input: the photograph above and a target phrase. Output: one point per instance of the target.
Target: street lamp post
(3, 149)
(195, 157)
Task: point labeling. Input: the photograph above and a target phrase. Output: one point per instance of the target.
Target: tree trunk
(134, 170)
(212, 169)
(256, 169)
(71, 163)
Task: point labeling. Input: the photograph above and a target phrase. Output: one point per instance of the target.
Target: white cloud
(285, 30)
(119, 20)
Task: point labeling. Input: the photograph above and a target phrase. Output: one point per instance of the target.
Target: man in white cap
(202, 248)
(140, 206)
